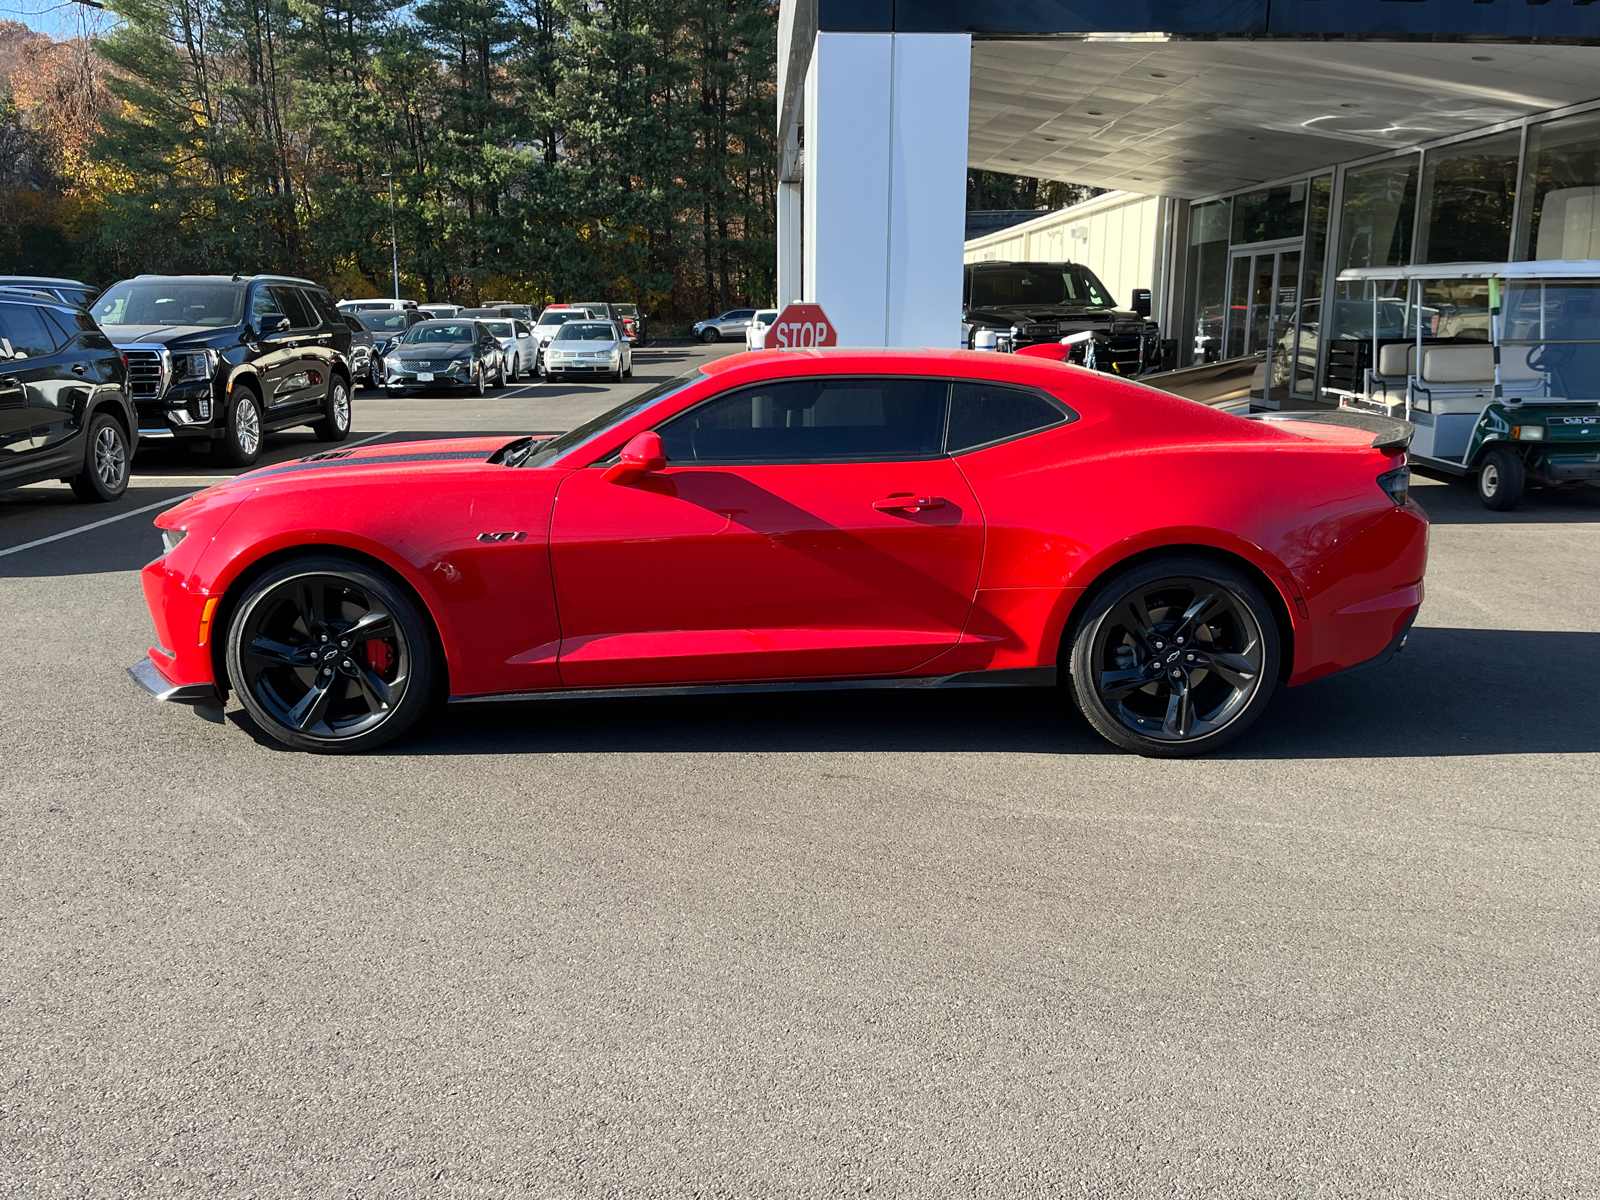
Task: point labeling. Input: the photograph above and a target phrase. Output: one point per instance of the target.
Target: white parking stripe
(167, 503)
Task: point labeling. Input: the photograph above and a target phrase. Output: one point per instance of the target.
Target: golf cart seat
(1459, 379)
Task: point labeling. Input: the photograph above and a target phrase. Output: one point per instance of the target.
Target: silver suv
(730, 324)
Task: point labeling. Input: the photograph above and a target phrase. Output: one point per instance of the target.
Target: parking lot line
(167, 503)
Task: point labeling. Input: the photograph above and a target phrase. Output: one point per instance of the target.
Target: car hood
(586, 347)
(163, 335)
(434, 350)
(1088, 318)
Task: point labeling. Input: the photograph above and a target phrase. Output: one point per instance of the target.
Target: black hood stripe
(376, 460)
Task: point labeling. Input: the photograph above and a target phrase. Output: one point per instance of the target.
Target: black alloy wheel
(241, 441)
(1501, 480)
(335, 423)
(105, 461)
(1175, 657)
(328, 655)
(711, 335)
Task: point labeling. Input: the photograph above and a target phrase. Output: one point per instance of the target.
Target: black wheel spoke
(278, 653)
(1180, 711)
(1236, 669)
(1200, 613)
(1135, 618)
(313, 704)
(1114, 685)
(374, 624)
(373, 689)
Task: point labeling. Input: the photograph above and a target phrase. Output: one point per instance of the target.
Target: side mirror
(272, 323)
(1141, 301)
(639, 457)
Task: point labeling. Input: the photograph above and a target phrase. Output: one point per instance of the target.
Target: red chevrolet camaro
(806, 519)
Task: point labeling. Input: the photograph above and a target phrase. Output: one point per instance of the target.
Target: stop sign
(801, 326)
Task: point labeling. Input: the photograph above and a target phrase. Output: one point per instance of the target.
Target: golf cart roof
(1548, 268)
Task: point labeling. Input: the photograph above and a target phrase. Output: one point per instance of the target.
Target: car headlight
(461, 364)
(170, 539)
(1528, 433)
(194, 364)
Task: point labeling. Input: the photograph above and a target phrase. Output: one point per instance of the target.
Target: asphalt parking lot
(802, 946)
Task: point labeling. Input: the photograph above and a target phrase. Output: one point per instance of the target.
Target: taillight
(1397, 483)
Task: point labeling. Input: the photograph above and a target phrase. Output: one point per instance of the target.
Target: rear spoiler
(1388, 433)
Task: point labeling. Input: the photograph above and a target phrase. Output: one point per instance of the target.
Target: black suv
(1027, 303)
(64, 413)
(228, 360)
(74, 291)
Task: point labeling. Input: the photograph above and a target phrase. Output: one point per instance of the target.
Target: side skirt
(1042, 677)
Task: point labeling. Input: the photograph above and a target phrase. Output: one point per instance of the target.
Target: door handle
(78, 368)
(906, 502)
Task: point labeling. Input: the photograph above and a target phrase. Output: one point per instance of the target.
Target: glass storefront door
(1264, 298)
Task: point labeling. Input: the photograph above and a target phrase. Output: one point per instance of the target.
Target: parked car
(732, 323)
(439, 311)
(227, 360)
(550, 321)
(64, 407)
(1029, 303)
(632, 322)
(848, 518)
(589, 348)
(73, 291)
(755, 334)
(365, 356)
(504, 308)
(378, 305)
(389, 326)
(445, 354)
(516, 340)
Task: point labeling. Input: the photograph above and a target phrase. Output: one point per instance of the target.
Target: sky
(58, 18)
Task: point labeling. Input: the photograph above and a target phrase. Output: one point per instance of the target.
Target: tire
(479, 383)
(373, 380)
(1144, 689)
(307, 685)
(500, 376)
(241, 437)
(711, 335)
(105, 461)
(335, 423)
(516, 363)
(1501, 479)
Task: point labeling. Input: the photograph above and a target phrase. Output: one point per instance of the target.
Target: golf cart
(1498, 368)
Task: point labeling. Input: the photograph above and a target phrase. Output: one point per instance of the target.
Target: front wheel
(1174, 658)
(328, 655)
(1501, 480)
(480, 383)
(241, 440)
(105, 461)
(335, 423)
(710, 335)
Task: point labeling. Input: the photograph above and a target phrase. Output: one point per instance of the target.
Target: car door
(301, 374)
(15, 425)
(41, 369)
(279, 358)
(809, 527)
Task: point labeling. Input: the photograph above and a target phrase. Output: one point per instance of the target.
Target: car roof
(15, 292)
(50, 280)
(294, 279)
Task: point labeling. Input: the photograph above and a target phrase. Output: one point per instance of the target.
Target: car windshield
(625, 310)
(766, 316)
(560, 318)
(441, 331)
(383, 322)
(588, 331)
(171, 302)
(589, 430)
(500, 328)
(1037, 284)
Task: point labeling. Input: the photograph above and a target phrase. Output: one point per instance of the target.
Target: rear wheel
(105, 461)
(241, 436)
(1174, 657)
(711, 335)
(328, 655)
(335, 423)
(1501, 480)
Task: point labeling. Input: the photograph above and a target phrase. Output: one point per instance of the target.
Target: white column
(885, 185)
(790, 243)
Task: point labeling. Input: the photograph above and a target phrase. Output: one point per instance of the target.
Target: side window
(981, 413)
(30, 334)
(813, 420)
(522, 329)
(263, 304)
(320, 307)
(355, 325)
(290, 304)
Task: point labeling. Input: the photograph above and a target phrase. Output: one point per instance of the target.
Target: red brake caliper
(380, 656)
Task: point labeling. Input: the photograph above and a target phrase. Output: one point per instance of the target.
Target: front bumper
(397, 379)
(148, 676)
(609, 367)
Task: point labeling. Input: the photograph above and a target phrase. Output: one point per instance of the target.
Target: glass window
(449, 332)
(391, 321)
(999, 287)
(1468, 191)
(981, 413)
(1309, 323)
(560, 318)
(814, 420)
(1270, 214)
(294, 307)
(1562, 186)
(1376, 227)
(1206, 304)
(264, 304)
(500, 328)
(587, 331)
(25, 327)
(170, 302)
(597, 426)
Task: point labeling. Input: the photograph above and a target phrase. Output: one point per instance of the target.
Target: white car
(442, 312)
(549, 322)
(589, 348)
(355, 306)
(516, 339)
(755, 334)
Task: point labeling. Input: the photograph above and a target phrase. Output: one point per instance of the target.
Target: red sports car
(806, 519)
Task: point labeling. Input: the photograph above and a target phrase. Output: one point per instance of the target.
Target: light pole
(394, 243)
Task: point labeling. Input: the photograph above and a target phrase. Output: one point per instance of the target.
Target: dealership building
(1258, 149)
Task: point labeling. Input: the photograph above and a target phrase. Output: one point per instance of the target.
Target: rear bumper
(148, 676)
